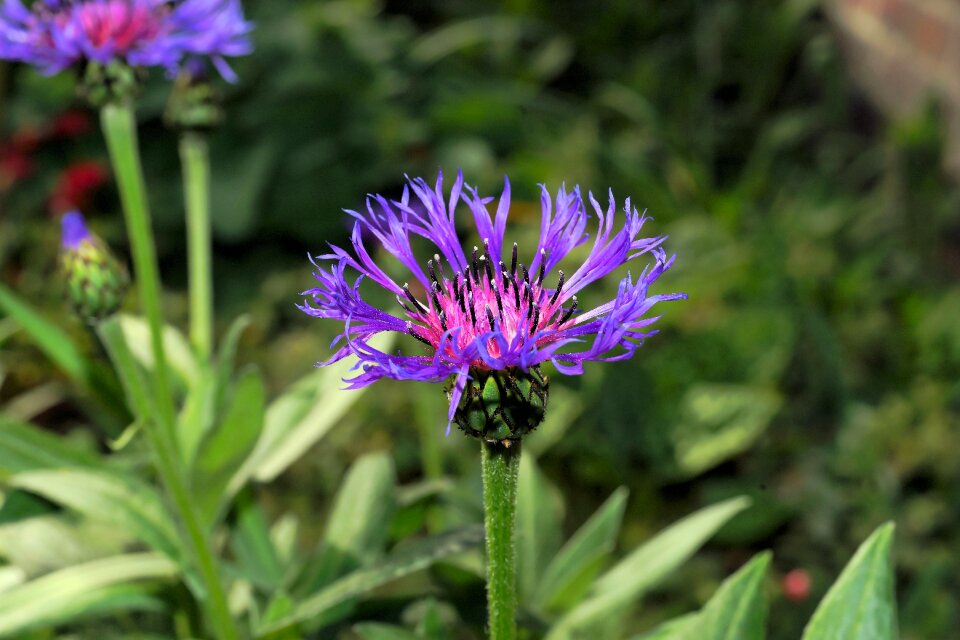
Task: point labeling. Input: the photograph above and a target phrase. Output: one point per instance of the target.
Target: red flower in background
(77, 185)
(796, 585)
(70, 124)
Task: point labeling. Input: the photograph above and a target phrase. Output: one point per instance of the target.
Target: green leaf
(300, 418)
(60, 349)
(226, 357)
(114, 498)
(719, 421)
(228, 445)
(675, 629)
(539, 525)
(24, 447)
(861, 604)
(400, 563)
(645, 567)
(376, 631)
(569, 574)
(738, 610)
(252, 546)
(93, 587)
(358, 524)
(198, 415)
(180, 356)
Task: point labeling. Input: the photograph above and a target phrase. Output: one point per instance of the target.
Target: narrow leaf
(358, 524)
(81, 590)
(61, 350)
(539, 525)
(376, 631)
(738, 610)
(622, 585)
(299, 419)
(24, 447)
(118, 499)
(180, 356)
(399, 564)
(228, 445)
(571, 571)
(860, 605)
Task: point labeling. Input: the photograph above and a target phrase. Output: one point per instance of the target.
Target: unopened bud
(95, 281)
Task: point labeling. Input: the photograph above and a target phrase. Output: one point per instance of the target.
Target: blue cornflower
(56, 34)
(484, 311)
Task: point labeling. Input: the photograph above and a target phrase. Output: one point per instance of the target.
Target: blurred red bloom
(76, 185)
(796, 585)
(70, 124)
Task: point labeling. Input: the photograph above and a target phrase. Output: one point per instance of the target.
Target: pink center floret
(118, 23)
(488, 298)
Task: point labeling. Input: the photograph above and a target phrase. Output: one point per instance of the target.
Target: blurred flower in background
(56, 34)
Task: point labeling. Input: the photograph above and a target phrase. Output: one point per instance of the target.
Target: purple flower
(485, 309)
(56, 34)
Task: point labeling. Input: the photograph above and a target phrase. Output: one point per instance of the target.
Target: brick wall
(902, 52)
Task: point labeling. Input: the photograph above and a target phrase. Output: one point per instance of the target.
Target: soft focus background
(797, 153)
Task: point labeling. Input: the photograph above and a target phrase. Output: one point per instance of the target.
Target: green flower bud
(502, 406)
(95, 281)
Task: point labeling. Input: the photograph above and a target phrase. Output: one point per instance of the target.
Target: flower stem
(119, 128)
(500, 472)
(196, 187)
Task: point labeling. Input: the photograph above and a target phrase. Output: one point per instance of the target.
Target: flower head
(487, 309)
(56, 34)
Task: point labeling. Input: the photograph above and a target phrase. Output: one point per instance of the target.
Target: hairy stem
(119, 128)
(500, 472)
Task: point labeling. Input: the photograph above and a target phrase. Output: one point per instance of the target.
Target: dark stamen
(526, 294)
(473, 313)
(530, 309)
(416, 303)
(484, 268)
(436, 291)
(513, 261)
(543, 266)
(496, 292)
(526, 274)
(469, 284)
(404, 305)
(416, 335)
(456, 286)
(493, 325)
(443, 320)
(569, 312)
(488, 269)
(556, 294)
(536, 320)
(433, 272)
(516, 291)
(476, 267)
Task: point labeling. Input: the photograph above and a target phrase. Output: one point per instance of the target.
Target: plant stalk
(500, 468)
(195, 160)
(120, 130)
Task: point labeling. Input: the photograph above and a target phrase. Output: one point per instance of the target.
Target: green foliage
(93, 588)
(861, 603)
